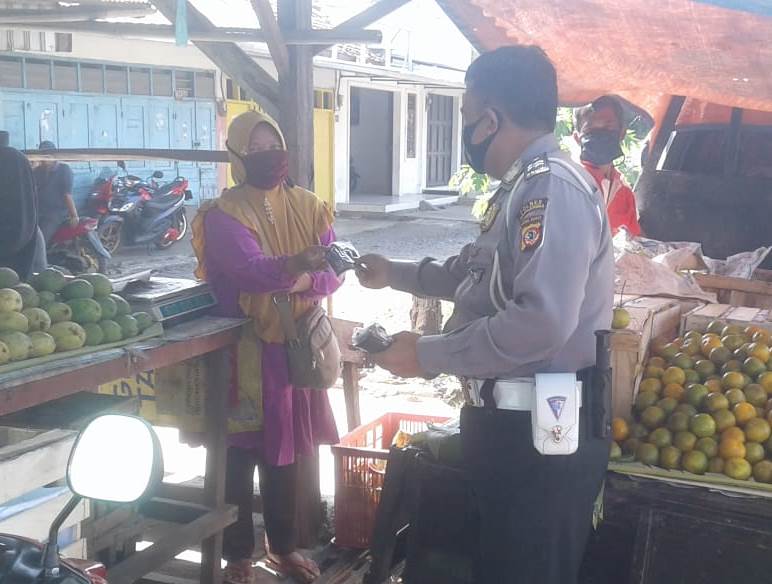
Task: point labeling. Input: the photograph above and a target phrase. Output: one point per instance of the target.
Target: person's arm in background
(66, 186)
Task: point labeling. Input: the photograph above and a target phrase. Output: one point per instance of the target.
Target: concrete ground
(412, 235)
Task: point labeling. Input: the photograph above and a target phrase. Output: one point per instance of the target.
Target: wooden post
(296, 91)
(426, 316)
(218, 373)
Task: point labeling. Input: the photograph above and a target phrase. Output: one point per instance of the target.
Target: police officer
(529, 294)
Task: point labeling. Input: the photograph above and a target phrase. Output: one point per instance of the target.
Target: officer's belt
(512, 394)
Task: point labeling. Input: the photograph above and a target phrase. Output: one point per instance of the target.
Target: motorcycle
(143, 212)
(78, 248)
(134, 470)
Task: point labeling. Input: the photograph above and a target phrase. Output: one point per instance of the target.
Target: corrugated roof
(639, 49)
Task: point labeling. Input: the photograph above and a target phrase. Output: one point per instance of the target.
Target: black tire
(180, 222)
(110, 234)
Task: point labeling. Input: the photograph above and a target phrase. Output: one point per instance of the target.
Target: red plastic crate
(359, 473)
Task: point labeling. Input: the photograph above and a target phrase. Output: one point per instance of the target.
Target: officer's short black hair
(582, 114)
(519, 80)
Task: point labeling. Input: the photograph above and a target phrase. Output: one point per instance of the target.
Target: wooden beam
(108, 154)
(273, 34)
(368, 16)
(171, 542)
(231, 35)
(230, 58)
(74, 13)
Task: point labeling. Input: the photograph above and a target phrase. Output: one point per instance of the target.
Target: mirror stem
(51, 552)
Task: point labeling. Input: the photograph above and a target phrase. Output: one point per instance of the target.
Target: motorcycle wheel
(110, 236)
(94, 261)
(180, 223)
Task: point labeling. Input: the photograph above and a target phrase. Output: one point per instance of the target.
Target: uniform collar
(542, 145)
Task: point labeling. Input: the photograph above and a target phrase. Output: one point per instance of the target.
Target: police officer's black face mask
(475, 153)
(600, 147)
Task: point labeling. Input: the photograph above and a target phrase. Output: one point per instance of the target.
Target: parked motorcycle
(141, 211)
(132, 469)
(78, 249)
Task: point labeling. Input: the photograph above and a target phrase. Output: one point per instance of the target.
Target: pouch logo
(556, 404)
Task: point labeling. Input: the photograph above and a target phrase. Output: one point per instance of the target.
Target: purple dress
(295, 421)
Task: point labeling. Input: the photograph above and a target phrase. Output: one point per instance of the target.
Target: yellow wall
(324, 142)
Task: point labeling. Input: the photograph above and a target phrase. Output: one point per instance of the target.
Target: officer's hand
(401, 358)
(373, 271)
(74, 221)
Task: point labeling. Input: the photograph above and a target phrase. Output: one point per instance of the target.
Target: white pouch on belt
(557, 398)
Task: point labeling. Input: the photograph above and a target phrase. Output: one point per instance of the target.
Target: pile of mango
(52, 313)
(704, 405)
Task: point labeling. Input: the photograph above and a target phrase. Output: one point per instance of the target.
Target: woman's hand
(373, 271)
(311, 259)
(302, 284)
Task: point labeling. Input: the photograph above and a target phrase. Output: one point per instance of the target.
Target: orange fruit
(644, 399)
(695, 462)
(678, 422)
(762, 336)
(653, 385)
(762, 471)
(674, 375)
(652, 372)
(716, 465)
(733, 379)
(661, 437)
(732, 329)
(674, 391)
(709, 342)
(647, 454)
(765, 381)
(702, 425)
(696, 394)
(757, 430)
(733, 365)
(738, 468)
(715, 401)
(724, 419)
(668, 405)
(760, 351)
(705, 368)
(729, 448)
(708, 446)
(733, 342)
(733, 433)
(754, 452)
(653, 417)
(670, 458)
(620, 430)
(756, 395)
(685, 441)
(714, 384)
(735, 396)
(754, 367)
(715, 327)
(744, 412)
(658, 362)
(719, 355)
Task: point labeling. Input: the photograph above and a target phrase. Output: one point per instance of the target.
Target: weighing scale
(170, 300)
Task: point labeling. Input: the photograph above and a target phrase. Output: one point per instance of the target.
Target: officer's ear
(490, 122)
(577, 138)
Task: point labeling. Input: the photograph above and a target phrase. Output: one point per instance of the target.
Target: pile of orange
(704, 405)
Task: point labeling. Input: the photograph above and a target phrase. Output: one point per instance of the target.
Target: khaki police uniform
(529, 295)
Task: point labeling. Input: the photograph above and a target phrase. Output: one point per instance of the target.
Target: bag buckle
(281, 298)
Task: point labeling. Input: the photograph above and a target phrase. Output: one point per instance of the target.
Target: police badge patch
(531, 233)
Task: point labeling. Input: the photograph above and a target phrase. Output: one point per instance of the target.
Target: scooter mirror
(158, 174)
(121, 165)
(116, 458)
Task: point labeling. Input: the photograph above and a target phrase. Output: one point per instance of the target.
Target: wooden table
(201, 517)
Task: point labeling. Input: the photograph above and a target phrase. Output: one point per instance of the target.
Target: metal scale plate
(170, 299)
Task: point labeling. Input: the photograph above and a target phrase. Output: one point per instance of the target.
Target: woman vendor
(262, 237)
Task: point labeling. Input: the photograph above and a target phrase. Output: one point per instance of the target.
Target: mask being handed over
(600, 147)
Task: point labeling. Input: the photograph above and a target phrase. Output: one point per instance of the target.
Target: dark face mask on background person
(600, 147)
(266, 169)
(475, 153)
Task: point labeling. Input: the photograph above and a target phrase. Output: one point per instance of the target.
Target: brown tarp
(640, 49)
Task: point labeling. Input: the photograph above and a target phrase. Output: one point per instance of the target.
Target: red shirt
(619, 198)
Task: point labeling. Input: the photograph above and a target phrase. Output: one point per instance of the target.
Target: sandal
(301, 569)
(238, 573)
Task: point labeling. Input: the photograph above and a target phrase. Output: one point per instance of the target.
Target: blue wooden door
(133, 127)
(42, 121)
(103, 114)
(183, 126)
(12, 119)
(74, 124)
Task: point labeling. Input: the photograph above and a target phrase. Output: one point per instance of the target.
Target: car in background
(713, 181)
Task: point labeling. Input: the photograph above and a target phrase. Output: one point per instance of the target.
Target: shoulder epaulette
(536, 167)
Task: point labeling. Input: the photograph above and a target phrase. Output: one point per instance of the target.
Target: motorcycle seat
(165, 189)
(160, 203)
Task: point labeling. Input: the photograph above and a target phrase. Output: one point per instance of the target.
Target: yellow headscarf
(298, 220)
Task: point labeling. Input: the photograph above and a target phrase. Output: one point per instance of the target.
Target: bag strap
(284, 306)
